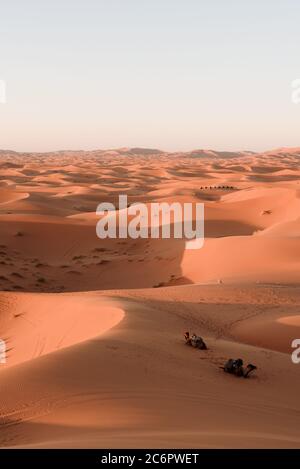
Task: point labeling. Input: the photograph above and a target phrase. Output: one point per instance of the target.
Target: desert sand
(94, 328)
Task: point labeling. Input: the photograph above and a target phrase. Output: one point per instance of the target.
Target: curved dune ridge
(33, 325)
(94, 328)
(291, 321)
(9, 196)
(281, 332)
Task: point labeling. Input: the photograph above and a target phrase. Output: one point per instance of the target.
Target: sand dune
(257, 259)
(93, 328)
(138, 384)
(34, 325)
(9, 196)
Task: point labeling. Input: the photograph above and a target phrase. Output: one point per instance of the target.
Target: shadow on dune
(56, 256)
(224, 228)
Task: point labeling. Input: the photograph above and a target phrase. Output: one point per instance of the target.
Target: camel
(195, 341)
(235, 367)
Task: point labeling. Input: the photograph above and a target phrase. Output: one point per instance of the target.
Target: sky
(168, 74)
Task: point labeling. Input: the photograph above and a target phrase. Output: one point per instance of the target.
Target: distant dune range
(95, 353)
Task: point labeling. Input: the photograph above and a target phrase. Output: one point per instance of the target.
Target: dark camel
(235, 367)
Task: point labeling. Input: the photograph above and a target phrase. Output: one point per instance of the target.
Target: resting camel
(195, 341)
(235, 367)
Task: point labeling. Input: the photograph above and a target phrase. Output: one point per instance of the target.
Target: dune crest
(34, 325)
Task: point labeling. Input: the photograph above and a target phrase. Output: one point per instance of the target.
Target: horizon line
(150, 149)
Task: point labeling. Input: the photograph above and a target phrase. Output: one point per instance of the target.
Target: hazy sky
(170, 74)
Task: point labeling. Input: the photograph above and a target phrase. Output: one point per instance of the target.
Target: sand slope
(34, 325)
(139, 385)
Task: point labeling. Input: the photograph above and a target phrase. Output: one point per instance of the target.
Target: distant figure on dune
(195, 341)
(235, 367)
